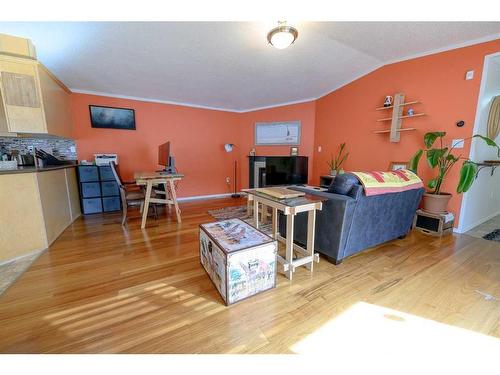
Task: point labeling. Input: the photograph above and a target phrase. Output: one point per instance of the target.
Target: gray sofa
(351, 222)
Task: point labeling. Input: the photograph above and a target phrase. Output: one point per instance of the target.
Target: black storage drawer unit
(88, 173)
(91, 205)
(106, 174)
(90, 189)
(111, 204)
(98, 189)
(109, 188)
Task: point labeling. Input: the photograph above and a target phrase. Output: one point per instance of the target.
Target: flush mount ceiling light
(282, 36)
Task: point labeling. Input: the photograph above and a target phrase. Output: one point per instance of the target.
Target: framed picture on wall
(277, 133)
(112, 117)
(397, 165)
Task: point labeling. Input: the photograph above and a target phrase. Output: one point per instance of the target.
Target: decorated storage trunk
(240, 260)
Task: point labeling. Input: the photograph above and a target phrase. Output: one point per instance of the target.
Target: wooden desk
(290, 207)
(154, 178)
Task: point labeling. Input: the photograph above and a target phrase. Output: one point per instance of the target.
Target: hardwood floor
(101, 288)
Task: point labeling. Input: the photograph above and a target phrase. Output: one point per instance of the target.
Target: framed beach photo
(397, 165)
(112, 117)
(277, 133)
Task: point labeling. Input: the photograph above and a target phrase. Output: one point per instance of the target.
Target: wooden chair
(130, 194)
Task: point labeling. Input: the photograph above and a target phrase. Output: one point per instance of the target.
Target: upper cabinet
(32, 100)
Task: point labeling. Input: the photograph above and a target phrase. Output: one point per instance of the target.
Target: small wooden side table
(290, 207)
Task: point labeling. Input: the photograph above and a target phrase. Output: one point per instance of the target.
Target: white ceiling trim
(306, 100)
(140, 99)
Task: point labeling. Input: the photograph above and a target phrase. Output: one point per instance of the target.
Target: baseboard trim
(34, 252)
(211, 196)
(479, 222)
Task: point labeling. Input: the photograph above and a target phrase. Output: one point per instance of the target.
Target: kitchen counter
(36, 208)
(31, 169)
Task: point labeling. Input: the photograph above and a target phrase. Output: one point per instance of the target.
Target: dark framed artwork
(112, 117)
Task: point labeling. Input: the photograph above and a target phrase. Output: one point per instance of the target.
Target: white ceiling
(229, 65)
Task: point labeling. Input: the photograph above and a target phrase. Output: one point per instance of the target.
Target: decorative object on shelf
(228, 147)
(388, 101)
(442, 158)
(277, 133)
(397, 117)
(112, 117)
(460, 123)
(397, 165)
(252, 152)
(282, 36)
(294, 151)
(335, 163)
(410, 112)
(493, 127)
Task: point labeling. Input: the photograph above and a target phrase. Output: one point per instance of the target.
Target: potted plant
(335, 163)
(442, 159)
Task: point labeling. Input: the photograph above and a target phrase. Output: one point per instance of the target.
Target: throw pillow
(343, 183)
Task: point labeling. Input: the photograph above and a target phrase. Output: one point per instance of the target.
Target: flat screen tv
(112, 118)
(286, 170)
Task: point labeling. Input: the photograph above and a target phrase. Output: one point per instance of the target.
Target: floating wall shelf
(397, 117)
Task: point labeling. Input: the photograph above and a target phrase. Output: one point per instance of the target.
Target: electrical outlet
(228, 180)
(319, 148)
(30, 149)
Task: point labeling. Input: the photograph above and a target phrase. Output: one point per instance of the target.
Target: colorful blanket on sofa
(376, 183)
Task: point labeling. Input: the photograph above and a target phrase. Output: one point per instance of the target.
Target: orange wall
(438, 81)
(347, 114)
(303, 112)
(197, 138)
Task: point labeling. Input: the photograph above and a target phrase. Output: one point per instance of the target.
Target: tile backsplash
(64, 149)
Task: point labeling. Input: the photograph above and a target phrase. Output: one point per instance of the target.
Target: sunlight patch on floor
(367, 332)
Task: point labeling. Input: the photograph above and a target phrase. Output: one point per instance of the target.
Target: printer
(105, 159)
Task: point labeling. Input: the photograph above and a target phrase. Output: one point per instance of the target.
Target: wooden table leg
(311, 227)
(256, 213)
(249, 204)
(173, 196)
(167, 197)
(274, 223)
(289, 244)
(145, 209)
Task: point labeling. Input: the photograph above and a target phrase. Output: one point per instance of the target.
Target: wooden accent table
(154, 178)
(290, 207)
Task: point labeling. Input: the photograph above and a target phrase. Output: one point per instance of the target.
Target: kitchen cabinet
(32, 99)
(21, 96)
(36, 208)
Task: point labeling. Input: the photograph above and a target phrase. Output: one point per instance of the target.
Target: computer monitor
(165, 159)
(164, 154)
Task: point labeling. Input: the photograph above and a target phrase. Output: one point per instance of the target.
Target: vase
(436, 203)
(333, 172)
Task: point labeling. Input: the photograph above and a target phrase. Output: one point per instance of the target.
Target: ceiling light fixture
(282, 36)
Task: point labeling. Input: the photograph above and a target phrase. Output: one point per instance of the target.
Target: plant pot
(333, 172)
(436, 203)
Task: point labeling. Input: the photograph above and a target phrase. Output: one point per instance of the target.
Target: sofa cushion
(343, 183)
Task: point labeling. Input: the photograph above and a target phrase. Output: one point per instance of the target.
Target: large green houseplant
(443, 159)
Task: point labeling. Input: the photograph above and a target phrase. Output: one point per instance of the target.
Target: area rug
(493, 236)
(238, 212)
